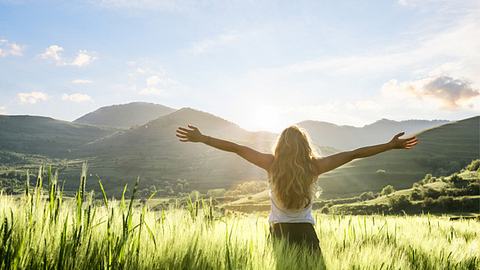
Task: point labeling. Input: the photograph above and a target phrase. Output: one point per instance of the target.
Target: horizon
(220, 116)
(268, 66)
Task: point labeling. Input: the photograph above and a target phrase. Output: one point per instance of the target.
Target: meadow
(42, 229)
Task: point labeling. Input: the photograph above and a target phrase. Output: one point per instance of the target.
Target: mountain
(153, 152)
(46, 136)
(125, 115)
(441, 151)
(349, 137)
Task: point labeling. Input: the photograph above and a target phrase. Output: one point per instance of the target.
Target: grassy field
(43, 230)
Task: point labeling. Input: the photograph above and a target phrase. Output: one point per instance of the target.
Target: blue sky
(261, 64)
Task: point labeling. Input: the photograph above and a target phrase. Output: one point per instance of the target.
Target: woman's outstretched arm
(334, 161)
(193, 134)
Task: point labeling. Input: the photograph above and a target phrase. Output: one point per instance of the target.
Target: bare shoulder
(318, 163)
(268, 160)
(323, 164)
(269, 156)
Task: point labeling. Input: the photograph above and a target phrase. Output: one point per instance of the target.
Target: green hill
(441, 151)
(125, 115)
(153, 152)
(459, 192)
(46, 136)
(349, 137)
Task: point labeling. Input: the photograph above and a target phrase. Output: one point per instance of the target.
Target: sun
(261, 118)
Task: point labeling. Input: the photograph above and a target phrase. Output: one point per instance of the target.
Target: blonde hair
(293, 173)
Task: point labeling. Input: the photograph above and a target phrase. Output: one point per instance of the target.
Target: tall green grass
(43, 230)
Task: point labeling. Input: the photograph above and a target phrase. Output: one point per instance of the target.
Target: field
(43, 230)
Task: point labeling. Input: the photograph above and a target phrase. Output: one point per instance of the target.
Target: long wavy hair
(292, 174)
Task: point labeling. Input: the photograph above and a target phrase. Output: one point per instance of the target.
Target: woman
(292, 170)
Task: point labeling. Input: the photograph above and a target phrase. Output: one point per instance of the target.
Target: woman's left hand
(407, 143)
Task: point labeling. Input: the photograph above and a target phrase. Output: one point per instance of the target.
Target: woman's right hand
(191, 134)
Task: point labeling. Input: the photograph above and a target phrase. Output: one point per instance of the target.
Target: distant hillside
(153, 152)
(459, 192)
(125, 115)
(441, 151)
(349, 137)
(46, 136)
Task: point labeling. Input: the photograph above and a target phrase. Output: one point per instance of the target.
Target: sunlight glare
(261, 118)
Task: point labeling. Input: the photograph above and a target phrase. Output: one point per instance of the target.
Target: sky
(261, 64)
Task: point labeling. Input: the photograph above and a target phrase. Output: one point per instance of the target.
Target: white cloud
(209, 44)
(81, 81)
(451, 93)
(55, 54)
(3, 110)
(10, 48)
(32, 97)
(158, 84)
(358, 112)
(154, 82)
(455, 48)
(16, 49)
(76, 97)
(83, 58)
(443, 66)
(440, 97)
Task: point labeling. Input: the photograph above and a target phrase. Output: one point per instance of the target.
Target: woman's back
(281, 215)
(292, 173)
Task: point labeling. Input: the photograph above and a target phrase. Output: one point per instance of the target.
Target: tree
(399, 202)
(428, 179)
(474, 165)
(195, 194)
(446, 202)
(218, 192)
(245, 188)
(416, 185)
(417, 194)
(431, 193)
(474, 188)
(367, 196)
(428, 202)
(387, 190)
(325, 210)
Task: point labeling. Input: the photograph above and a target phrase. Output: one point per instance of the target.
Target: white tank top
(279, 215)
